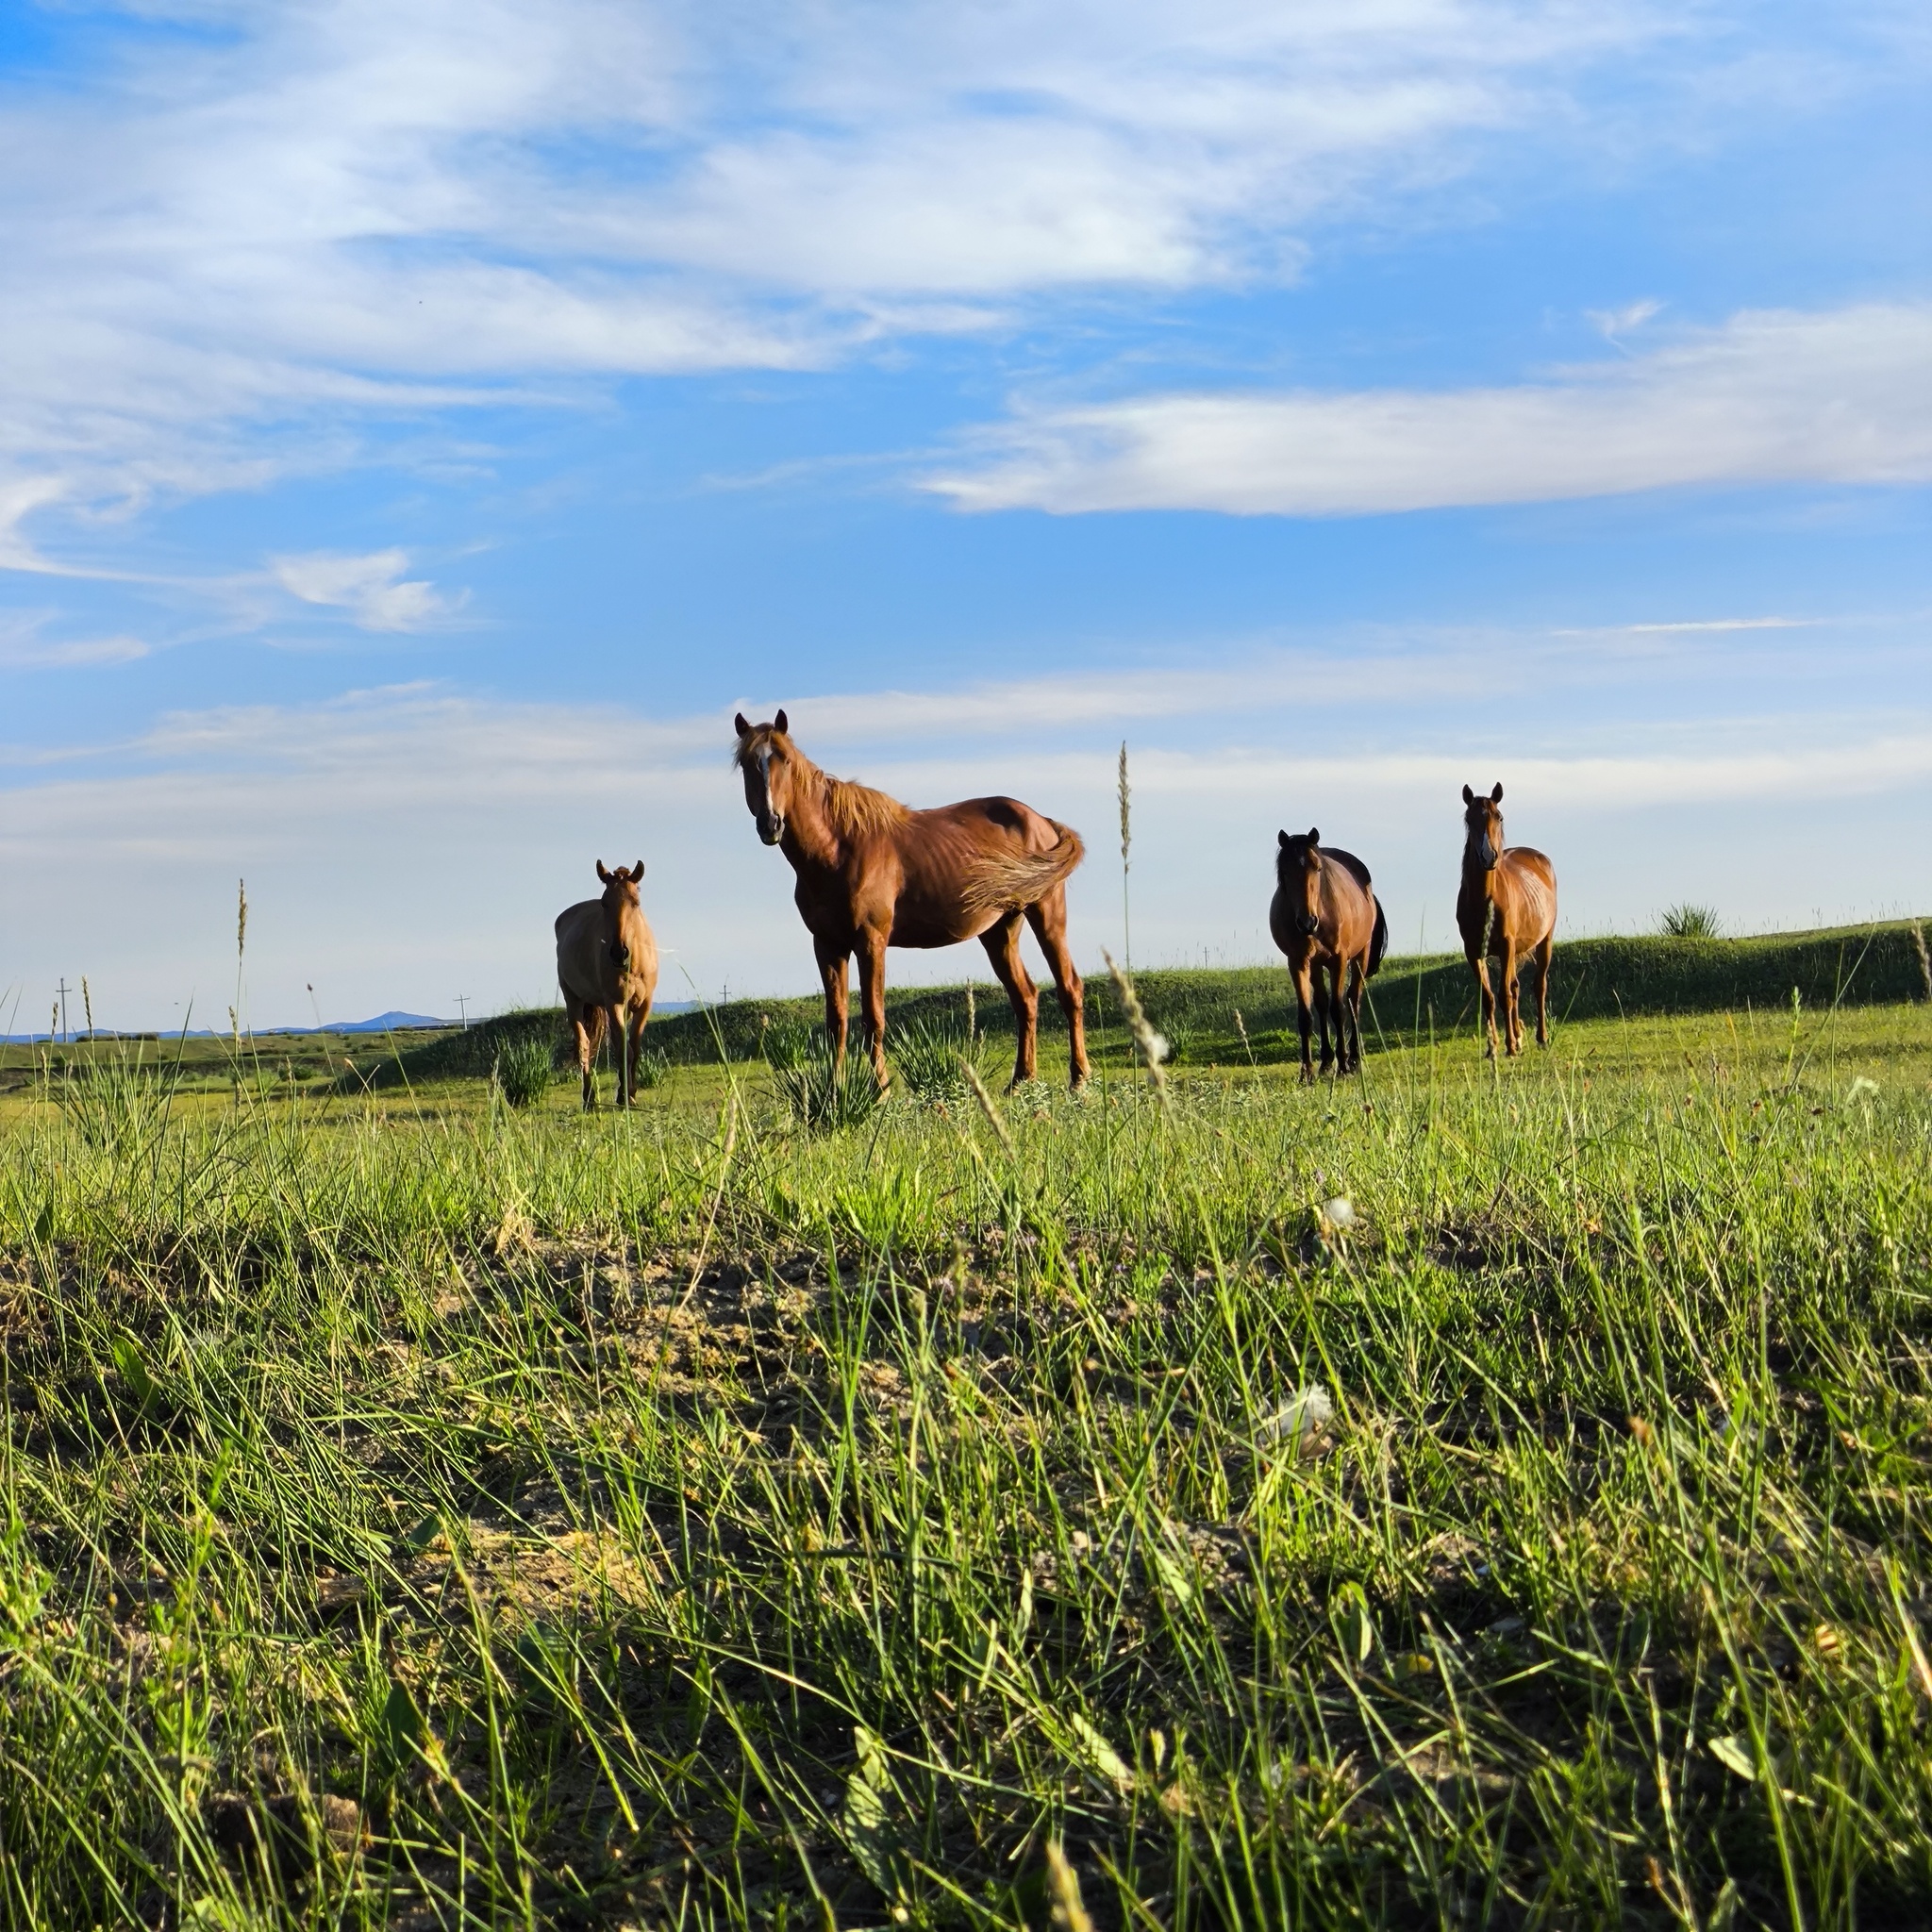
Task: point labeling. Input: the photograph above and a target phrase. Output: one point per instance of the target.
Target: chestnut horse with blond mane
(1505, 911)
(1327, 918)
(873, 873)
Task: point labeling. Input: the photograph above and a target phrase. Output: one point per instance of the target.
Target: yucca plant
(524, 1069)
(820, 1093)
(930, 1057)
(1687, 921)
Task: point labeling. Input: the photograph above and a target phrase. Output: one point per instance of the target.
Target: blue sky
(423, 426)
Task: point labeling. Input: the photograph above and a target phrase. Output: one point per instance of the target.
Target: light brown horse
(1506, 910)
(607, 964)
(1327, 918)
(873, 873)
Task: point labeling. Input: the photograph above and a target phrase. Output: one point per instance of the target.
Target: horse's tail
(1012, 880)
(1379, 940)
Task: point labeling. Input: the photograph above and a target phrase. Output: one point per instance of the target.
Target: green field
(421, 1511)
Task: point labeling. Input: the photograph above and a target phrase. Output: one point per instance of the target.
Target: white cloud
(371, 588)
(1842, 396)
(1615, 324)
(226, 245)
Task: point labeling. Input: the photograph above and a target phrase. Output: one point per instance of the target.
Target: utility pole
(462, 1000)
(63, 990)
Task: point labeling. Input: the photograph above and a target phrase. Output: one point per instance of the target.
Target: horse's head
(766, 758)
(620, 890)
(1482, 820)
(1298, 864)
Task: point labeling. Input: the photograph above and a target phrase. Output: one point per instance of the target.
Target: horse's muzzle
(1486, 853)
(771, 827)
(1309, 923)
(619, 957)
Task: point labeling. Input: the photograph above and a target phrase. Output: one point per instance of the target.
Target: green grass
(690, 1520)
(1245, 1015)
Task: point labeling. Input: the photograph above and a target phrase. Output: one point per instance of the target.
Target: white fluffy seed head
(1299, 1420)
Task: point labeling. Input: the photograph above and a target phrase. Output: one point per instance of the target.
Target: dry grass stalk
(1126, 795)
(986, 1105)
(1925, 957)
(1063, 1887)
(1152, 1047)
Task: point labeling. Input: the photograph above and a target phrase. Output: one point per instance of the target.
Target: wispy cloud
(371, 588)
(25, 647)
(1844, 396)
(225, 251)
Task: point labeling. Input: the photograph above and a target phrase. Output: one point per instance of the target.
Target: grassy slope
(1196, 1008)
(540, 1487)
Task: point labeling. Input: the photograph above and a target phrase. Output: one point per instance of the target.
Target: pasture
(421, 1511)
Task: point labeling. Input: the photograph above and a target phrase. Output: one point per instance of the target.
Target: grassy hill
(1196, 1007)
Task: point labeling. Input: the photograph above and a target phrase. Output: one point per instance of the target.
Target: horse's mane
(855, 809)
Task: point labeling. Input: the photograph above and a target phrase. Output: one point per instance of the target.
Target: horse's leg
(1328, 1007)
(832, 976)
(1479, 965)
(1002, 943)
(585, 1039)
(1511, 990)
(1303, 999)
(635, 1050)
(1048, 918)
(871, 999)
(613, 1030)
(1542, 988)
(1356, 977)
(1338, 1006)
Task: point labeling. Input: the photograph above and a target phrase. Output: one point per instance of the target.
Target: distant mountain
(383, 1022)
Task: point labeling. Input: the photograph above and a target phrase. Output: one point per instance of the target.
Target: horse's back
(1358, 934)
(1354, 866)
(573, 918)
(999, 818)
(1536, 880)
(580, 933)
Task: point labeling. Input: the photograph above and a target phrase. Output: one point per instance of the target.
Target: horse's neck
(810, 836)
(1479, 881)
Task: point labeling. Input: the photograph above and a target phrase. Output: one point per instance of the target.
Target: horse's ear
(602, 873)
(778, 722)
(1314, 835)
(1284, 841)
(1496, 796)
(740, 725)
(1468, 796)
(637, 871)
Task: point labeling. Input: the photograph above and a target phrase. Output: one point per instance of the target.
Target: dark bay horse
(1327, 918)
(1506, 910)
(607, 964)
(873, 873)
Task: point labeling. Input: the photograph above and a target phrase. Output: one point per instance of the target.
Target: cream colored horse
(607, 965)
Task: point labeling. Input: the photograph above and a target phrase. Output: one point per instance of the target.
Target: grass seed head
(1064, 1887)
(1153, 1048)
